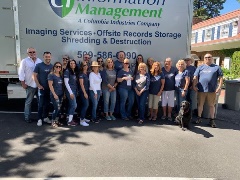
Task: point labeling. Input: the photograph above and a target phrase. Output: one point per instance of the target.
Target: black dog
(184, 115)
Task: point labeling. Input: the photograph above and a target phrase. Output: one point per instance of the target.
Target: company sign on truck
(153, 28)
(157, 28)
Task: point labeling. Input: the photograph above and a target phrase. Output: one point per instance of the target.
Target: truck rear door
(8, 37)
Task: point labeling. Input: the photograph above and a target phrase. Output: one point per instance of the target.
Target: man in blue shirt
(169, 89)
(207, 81)
(40, 76)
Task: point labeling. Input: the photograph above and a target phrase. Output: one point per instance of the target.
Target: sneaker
(125, 119)
(169, 118)
(83, 123)
(112, 117)
(47, 120)
(163, 117)
(108, 118)
(72, 123)
(28, 120)
(39, 123)
(95, 121)
(86, 120)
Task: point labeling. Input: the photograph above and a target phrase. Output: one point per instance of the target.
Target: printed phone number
(105, 54)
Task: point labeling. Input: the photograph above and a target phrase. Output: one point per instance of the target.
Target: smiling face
(57, 68)
(47, 57)
(32, 53)
(72, 64)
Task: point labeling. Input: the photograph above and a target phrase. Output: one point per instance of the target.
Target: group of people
(119, 85)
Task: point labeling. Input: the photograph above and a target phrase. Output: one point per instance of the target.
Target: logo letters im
(61, 7)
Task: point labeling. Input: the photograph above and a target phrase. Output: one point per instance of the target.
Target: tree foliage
(206, 9)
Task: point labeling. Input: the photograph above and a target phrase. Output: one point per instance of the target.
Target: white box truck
(153, 28)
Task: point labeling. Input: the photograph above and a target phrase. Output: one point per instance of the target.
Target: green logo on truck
(61, 7)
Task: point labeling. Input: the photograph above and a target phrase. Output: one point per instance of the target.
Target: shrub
(235, 65)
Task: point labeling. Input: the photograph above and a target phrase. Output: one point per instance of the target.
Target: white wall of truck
(153, 28)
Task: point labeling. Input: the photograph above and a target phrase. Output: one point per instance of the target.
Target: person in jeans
(207, 81)
(157, 81)
(55, 82)
(125, 78)
(191, 95)
(109, 84)
(25, 73)
(71, 82)
(40, 76)
(141, 87)
(182, 81)
(84, 93)
(169, 89)
(95, 80)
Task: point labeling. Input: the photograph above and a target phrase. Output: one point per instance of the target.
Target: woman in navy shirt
(182, 81)
(55, 84)
(157, 81)
(71, 83)
(84, 93)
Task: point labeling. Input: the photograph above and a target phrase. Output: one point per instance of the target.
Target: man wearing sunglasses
(87, 59)
(25, 73)
(40, 75)
(65, 59)
(207, 81)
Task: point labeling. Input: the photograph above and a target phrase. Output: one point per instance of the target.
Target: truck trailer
(100, 28)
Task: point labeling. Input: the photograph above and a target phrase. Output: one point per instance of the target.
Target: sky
(230, 5)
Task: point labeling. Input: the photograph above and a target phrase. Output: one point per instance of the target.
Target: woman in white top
(95, 89)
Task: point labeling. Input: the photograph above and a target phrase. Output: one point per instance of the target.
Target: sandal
(212, 123)
(55, 124)
(140, 122)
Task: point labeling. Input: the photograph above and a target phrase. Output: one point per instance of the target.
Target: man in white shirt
(25, 73)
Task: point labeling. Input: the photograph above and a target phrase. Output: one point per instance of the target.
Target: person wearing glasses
(182, 81)
(109, 84)
(125, 90)
(95, 80)
(87, 59)
(118, 64)
(71, 82)
(141, 87)
(25, 73)
(65, 59)
(84, 93)
(40, 76)
(207, 81)
(55, 83)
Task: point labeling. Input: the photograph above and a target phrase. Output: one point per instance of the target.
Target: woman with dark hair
(150, 62)
(84, 93)
(70, 81)
(55, 84)
(139, 60)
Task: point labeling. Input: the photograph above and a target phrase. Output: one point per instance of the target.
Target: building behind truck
(153, 28)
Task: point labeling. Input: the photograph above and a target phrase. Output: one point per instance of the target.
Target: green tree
(206, 9)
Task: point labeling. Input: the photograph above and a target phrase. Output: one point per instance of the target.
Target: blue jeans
(43, 103)
(179, 98)
(106, 96)
(30, 92)
(124, 95)
(72, 103)
(141, 101)
(56, 106)
(192, 98)
(94, 103)
(84, 105)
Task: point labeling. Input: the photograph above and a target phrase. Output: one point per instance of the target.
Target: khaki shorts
(153, 101)
(209, 97)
